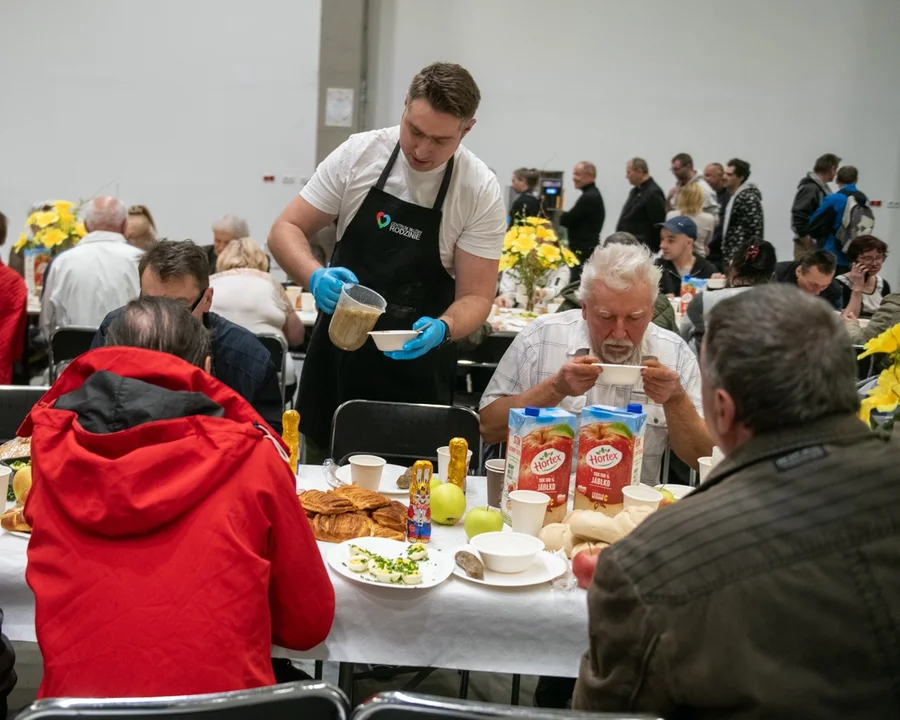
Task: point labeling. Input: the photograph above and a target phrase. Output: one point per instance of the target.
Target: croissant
(362, 499)
(338, 528)
(393, 516)
(14, 521)
(386, 532)
(325, 503)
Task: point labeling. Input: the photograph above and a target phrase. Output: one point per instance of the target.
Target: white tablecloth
(458, 625)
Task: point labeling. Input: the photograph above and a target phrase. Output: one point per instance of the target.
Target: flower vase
(529, 295)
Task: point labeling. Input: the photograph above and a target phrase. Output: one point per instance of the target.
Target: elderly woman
(863, 288)
(226, 229)
(245, 293)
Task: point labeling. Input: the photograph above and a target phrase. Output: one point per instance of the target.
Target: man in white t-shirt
(420, 221)
(551, 362)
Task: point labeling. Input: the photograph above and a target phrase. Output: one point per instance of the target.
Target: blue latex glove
(325, 284)
(431, 336)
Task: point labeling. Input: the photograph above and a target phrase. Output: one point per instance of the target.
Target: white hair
(233, 224)
(105, 213)
(619, 266)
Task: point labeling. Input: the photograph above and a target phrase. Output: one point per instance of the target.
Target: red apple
(583, 565)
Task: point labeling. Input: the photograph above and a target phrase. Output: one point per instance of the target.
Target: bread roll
(596, 526)
(552, 535)
(574, 513)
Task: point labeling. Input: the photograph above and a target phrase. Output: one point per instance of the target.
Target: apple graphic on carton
(605, 447)
(546, 451)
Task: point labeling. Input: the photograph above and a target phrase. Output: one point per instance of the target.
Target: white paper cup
(717, 455)
(527, 508)
(5, 477)
(307, 302)
(641, 496)
(365, 471)
(706, 466)
(443, 454)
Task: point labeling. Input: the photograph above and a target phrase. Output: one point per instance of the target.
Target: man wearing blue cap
(678, 259)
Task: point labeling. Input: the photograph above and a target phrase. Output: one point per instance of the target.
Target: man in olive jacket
(772, 590)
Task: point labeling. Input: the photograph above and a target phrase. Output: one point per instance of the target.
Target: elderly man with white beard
(552, 363)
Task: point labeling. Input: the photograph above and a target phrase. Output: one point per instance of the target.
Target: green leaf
(620, 428)
(563, 430)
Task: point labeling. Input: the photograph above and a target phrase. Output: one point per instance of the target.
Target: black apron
(393, 247)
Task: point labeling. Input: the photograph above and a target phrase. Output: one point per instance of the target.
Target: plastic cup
(357, 311)
(528, 508)
(496, 471)
(365, 471)
(5, 478)
(307, 302)
(705, 465)
(443, 454)
(641, 496)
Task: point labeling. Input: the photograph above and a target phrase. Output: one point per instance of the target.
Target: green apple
(481, 520)
(448, 504)
(435, 481)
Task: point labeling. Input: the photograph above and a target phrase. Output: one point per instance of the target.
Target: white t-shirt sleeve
(325, 189)
(483, 236)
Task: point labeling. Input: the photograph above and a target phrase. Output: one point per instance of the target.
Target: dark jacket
(644, 208)
(663, 314)
(524, 206)
(828, 217)
(887, 315)
(743, 220)
(810, 193)
(239, 360)
(211, 257)
(786, 272)
(670, 282)
(771, 592)
(585, 221)
(715, 245)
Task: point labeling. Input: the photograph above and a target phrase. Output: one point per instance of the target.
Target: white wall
(775, 82)
(180, 105)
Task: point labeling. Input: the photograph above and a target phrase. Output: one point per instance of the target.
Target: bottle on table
(290, 422)
(688, 290)
(458, 465)
(418, 522)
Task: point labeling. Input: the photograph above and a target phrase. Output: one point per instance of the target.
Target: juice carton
(610, 453)
(539, 457)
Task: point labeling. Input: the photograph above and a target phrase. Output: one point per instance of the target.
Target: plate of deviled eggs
(391, 563)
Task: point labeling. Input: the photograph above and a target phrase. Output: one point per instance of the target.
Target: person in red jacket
(13, 304)
(169, 550)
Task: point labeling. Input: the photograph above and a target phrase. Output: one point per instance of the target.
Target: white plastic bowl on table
(715, 283)
(507, 552)
(619, 374)
(389, 340)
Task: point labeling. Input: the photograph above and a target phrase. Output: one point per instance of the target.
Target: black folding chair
(307, 699)
(278, 349)
(67, 343)
(16, 402)
(402, 432)
(411, 706)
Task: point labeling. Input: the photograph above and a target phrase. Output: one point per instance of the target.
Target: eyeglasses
(872, 258)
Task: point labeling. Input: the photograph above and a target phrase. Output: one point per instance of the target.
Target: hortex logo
(384, 221)
(603, 457)
(547, 461)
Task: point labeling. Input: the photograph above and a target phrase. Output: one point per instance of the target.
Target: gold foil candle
(458, 465)
(290, 422)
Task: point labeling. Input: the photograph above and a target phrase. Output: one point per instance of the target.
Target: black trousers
(554, 692)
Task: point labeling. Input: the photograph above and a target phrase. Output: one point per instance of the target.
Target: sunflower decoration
(885, 396)
(54, 226)
(531, 251)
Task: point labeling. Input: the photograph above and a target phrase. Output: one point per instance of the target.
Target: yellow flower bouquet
(885, 396)
(531, 251)
(54, 226)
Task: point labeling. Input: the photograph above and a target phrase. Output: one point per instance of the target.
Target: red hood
(130, 481)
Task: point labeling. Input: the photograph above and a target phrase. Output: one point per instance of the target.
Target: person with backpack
(841, 218)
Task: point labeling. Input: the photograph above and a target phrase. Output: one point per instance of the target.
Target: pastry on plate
(325, 503)
(386, 532)
(14, 521)
(338, 528)
(363, 499)
(392, 516)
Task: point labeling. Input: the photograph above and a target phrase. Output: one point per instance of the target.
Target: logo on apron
(383, 220)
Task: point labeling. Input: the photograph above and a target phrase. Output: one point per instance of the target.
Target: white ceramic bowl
(388, 340)
(507, 552)
(715, 283)
(619, 374)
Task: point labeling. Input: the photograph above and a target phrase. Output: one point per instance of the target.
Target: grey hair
(619, 264)
(233, 224)
(162, 324)
(589, 168)
(640, 165)
(757, 349)
(105, 213)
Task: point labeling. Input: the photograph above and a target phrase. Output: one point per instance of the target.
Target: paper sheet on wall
(339, 107)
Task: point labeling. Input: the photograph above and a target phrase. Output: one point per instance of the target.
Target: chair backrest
(402, 432)
(411, 706)
(278, 349)
(67, 343)
(16, 402)
(307, 699)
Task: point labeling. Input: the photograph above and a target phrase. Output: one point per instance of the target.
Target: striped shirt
(542, 348)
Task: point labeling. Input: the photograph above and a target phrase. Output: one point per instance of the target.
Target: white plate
(437, 568)
(25, 535)
(389, 476)
(546, 567)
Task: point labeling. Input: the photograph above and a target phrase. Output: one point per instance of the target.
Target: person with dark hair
(645, 207)
(13, 315)
(683, 170)
(714, 174)
(169, 509)
(421, 221)
(678, 257)
(863, 288)
(813, 273)
(811, 190)
(743, 223)
(527, 204)
(584, 220)
(788, 550)
(753, 265)
(832, 217)
(179, 270)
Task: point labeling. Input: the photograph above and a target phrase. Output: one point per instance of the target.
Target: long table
(456, 625)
